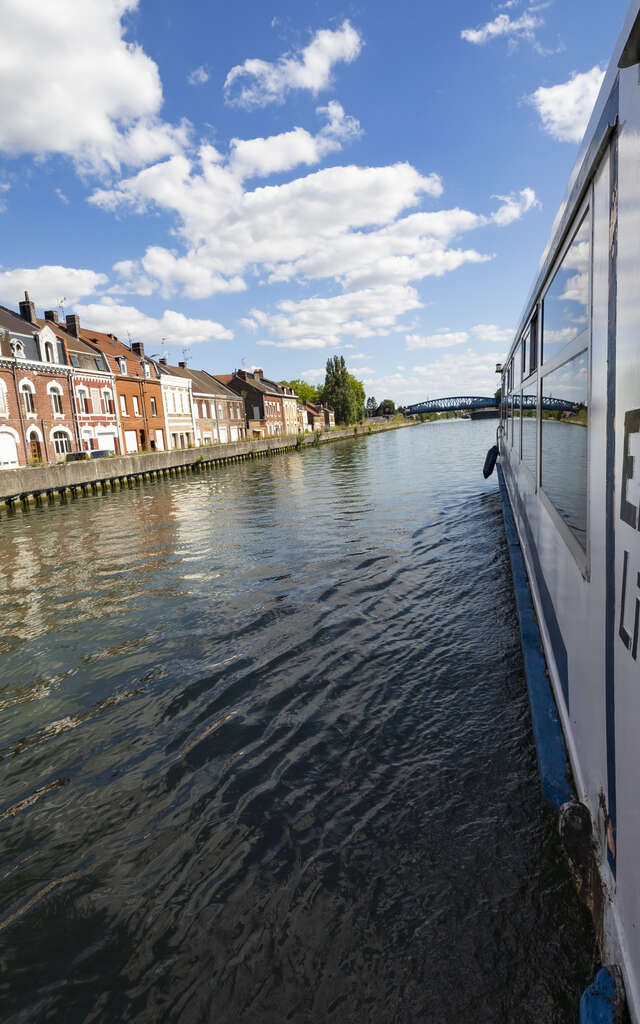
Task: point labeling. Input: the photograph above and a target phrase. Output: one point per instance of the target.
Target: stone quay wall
(37, 485)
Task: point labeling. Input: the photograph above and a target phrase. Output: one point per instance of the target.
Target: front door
(34, 449)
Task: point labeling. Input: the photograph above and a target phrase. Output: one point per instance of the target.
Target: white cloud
(198, 76)
(48, 284)
(323, 322)
(172, 327)
(502, 25)
(250, 158)
(565, 109)
(70, 83)
(4, 188)
(514, 206)
(256, 83)
(446, 339)
(469, 373)
(314, 376)
(228, 230)
(492, 333)
(62, 197)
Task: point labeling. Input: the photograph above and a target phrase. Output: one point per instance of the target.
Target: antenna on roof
(243, 361)
(186, 355)
(60, 304)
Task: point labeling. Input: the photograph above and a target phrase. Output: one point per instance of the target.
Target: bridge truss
(463, 403)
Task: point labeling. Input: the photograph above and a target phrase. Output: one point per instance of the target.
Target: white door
(159, 441)
(8, 450)
(106, 442)
(131, 440)
(223, 434)
(234, 433)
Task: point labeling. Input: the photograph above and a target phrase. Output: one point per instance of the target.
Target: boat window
(532, 344)
(566, 303)
(517, 366)
(511, 418)
(530, 425)
(564, 419)
(515, 440)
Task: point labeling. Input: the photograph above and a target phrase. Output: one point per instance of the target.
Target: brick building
(138, 391)
(93, 392)
(262, 400)
(36, 415)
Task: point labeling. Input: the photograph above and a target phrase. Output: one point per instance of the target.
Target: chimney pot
(73, 324)
(137, 348)
(182, 366)
(163, 360)
(51, 315)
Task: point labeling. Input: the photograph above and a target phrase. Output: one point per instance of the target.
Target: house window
(123, 405)
(56, 400)
(122, 364)
(74, 360)
(61, 442)
(146, 369)
(154, 407)
(27, 397)
(83, 401)
(4, 405)
(99, 364)
(48, 352)
(107, 399)
(17, 348)
(136, 406)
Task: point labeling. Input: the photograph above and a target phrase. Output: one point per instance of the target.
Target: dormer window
(49, 352)
(17, 348)
(122, 364)
(146, 369)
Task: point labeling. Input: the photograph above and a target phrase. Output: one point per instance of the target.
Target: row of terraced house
(67, 389)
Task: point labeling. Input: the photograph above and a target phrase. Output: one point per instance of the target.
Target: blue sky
(266, 185)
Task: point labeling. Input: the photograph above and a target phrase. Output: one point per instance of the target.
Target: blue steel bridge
(463, 403)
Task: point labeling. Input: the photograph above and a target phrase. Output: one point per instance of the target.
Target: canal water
(266, 753)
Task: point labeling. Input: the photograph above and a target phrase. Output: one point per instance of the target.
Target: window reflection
(530, 426)
(564, 443)
(566, 304)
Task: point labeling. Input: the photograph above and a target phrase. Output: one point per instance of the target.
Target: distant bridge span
(461, 403)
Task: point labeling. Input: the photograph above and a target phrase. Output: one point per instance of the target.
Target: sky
(267, 185)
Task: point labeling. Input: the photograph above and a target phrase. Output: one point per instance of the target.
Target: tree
(338, 391)
(387, 407)
(305, 392)
(372, 405)
(357, 389)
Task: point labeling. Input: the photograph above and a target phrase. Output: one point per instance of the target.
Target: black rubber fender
(490, 461)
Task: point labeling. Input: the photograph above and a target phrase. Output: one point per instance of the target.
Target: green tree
(337, 391)
(305, 392)
(387, 407)
(357, 389)
(371, 406)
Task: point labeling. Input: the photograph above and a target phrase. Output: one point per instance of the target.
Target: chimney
(163, 360)
(137, 348)
(51, 315)
(259, 374)
(73, 325)
(27, 309)
(182, 366)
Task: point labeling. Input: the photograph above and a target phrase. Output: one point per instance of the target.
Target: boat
(569, 469)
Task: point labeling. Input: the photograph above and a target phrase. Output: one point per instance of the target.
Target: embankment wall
(35, 484)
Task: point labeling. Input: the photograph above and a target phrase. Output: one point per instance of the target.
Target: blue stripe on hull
(555, 772)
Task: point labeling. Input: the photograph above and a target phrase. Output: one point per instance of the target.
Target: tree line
(343, 392)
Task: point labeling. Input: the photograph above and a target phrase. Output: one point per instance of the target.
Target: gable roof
(86, 356)
(113, 349)
(10, 321)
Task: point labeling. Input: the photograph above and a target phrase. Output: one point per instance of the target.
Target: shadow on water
(267, 753)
